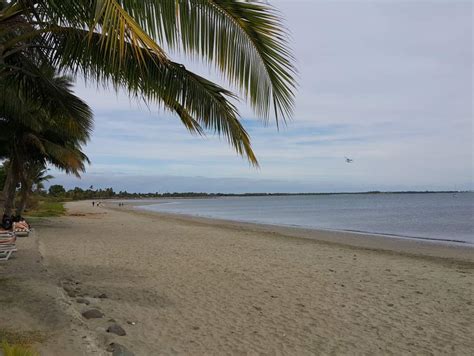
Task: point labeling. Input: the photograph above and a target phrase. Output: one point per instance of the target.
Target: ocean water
(440, 217)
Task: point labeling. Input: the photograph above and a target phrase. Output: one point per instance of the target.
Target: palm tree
(124, 43)
(34, 175)
(50, 129)
(38, 176)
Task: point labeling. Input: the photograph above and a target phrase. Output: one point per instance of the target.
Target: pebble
(119, 350)
(82, 301)
(71, 294)
(92, 314)
(116, 329)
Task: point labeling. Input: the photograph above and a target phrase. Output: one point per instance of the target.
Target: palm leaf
(195, 99)
(245, 39)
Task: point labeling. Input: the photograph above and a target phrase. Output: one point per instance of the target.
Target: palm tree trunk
(24, 193)
(10, 188)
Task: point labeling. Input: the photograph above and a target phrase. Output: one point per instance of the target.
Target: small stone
(116, 329)
(390, 304)
(119, 350)
(71, 293)
(82, 301)
(101, 296)
(195, 327)
(257, 308)
(92, 314)
(68, 289)
(131, 322)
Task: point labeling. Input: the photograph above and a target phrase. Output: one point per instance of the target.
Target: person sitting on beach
(7, 222)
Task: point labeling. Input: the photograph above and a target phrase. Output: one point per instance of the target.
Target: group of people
(99, 203)
(8, 222)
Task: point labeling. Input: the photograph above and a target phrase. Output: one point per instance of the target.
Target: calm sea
(442, 217)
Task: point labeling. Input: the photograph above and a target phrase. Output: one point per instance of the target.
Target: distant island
(58, 191)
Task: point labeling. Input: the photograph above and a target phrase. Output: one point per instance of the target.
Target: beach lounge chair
(7, 247)
(6, 252)
(5, 234)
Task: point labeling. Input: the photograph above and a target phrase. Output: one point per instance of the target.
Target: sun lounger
(6, 252)
(5, 234)
(7, 247)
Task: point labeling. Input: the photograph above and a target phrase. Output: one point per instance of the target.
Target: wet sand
(180, 285)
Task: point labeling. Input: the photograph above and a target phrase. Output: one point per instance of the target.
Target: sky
(385, 82)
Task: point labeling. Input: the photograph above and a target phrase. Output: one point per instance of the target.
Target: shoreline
(370, 241)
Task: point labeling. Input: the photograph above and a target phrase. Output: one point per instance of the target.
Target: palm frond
(118, 28)
(245, 39)
(195, 99)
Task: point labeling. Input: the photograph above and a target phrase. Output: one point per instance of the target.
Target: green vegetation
(56, 190)
(21, 339)
(59, 192)
(38, 130)
(17, 350)
(47, 208)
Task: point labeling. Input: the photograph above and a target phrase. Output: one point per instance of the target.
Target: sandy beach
(190, 286)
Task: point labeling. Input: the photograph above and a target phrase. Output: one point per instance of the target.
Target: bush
(17, 350)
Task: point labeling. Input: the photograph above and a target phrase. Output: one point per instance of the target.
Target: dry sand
(201, 287)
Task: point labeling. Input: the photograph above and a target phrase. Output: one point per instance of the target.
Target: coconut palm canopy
(34, 131)
(122, 43)
(49, 128)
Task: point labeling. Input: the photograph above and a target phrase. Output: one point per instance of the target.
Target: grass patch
(17, 350)
(46, 209)
(22, 338)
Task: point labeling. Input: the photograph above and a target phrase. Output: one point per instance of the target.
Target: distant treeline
(58, 191)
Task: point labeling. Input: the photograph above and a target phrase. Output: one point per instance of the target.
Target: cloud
(386, 82)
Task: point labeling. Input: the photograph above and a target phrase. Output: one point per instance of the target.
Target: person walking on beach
(93, 203)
